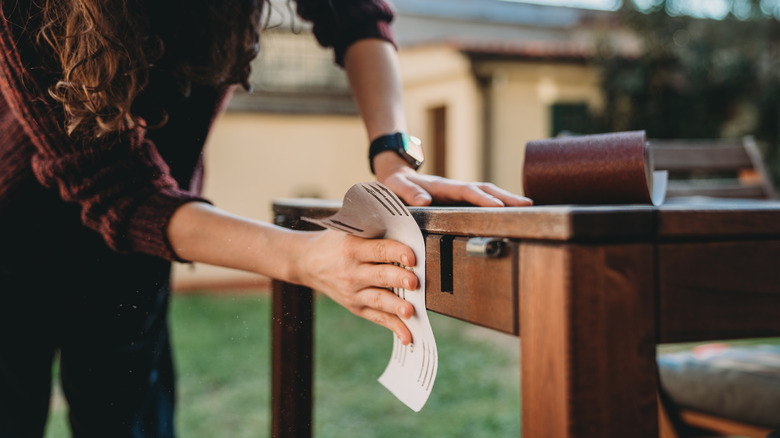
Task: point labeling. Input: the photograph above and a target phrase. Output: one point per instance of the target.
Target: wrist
(388, 163)
(296, 269)
(406, 147)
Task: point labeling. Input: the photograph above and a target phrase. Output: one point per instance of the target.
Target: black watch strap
(406, 146)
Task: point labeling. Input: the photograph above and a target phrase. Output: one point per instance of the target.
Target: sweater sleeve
(122, 184)
(124, 188)
(339, 23)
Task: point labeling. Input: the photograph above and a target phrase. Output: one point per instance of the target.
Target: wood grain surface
(587, 340)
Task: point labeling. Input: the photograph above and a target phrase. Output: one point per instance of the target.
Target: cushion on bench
(738, 383)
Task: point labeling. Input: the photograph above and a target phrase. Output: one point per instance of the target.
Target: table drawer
(465, 282)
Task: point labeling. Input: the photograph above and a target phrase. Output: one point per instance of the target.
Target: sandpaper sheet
(371, 210)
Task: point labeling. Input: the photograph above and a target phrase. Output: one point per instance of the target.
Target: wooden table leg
(291, 397)
(587, 331)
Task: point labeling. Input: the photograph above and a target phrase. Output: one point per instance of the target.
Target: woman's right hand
(357, 273)
(354, 272)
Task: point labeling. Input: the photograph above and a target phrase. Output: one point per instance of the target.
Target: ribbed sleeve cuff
(147, 227)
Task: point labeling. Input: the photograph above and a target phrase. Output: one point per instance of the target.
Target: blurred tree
(696, 77)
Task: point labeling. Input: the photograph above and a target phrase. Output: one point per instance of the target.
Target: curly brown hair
(107, 49)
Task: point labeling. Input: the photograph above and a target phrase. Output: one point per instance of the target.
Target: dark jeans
(105, 313)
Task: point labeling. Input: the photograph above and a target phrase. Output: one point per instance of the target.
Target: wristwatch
(407, 146)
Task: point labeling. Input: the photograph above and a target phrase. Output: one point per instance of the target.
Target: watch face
(413, 148)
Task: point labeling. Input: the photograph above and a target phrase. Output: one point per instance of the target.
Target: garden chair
(713, 168)
(717, 390)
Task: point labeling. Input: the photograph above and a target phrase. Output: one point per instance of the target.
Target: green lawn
(222, 347)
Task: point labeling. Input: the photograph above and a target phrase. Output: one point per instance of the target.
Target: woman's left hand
(421, 190)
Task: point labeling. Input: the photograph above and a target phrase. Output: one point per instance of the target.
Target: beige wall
(440, 76)
(521, 94)
(252, 158)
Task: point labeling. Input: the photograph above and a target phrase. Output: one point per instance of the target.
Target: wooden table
(590, 290)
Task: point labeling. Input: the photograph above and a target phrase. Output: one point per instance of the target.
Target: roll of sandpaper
(612, 168)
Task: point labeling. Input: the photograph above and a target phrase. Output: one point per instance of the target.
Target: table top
(692, 218)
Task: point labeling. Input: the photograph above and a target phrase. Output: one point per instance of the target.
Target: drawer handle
(490, 247)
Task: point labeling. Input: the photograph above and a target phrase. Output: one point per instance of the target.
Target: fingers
(409, 192)
(383, 301)
(421, 190)
(388, 277)
(384, 251)
(378, 304)
(450, 191)
(357, 273)
(508, 198)
(384, 308)
(480, 194)
(388, 321)
(475, 195)
(374, 270)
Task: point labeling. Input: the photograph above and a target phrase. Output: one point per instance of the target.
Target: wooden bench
(700, 170)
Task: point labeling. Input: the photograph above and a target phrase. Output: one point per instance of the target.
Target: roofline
(503, 12)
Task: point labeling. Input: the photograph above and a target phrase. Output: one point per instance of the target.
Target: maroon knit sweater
(127, 186)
